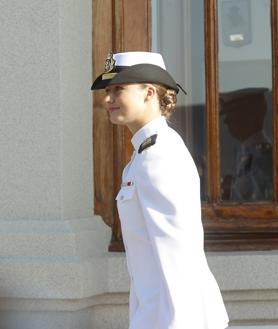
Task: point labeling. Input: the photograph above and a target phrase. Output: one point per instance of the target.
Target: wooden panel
(102, 128)
(212, 116)
(241, 211)
(137, 25)
(118, 25)
(131, 33)
(131, 25)
(240, 242)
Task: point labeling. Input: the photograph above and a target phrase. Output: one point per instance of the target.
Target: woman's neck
(135, 126)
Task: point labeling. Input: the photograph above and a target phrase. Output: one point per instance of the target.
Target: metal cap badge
(109, 63)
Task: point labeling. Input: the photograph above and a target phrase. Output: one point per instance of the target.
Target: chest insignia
(130, 183)
(147, 143)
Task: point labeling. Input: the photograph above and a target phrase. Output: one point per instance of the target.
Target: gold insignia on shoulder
(109, 63)
(147, 143)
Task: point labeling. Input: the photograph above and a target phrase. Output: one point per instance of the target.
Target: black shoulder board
(147, 143)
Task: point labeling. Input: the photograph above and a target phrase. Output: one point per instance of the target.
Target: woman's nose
(108, 98)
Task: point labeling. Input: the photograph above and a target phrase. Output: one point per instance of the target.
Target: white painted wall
(30, 140)
(52, 248)
(46, 109)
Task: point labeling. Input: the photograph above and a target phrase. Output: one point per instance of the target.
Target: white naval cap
(135, 67)
(139, 57)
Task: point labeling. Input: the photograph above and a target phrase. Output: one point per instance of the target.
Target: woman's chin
(116, 120)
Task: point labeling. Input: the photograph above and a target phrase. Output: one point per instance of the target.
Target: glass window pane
(182, 45)
(245, 77)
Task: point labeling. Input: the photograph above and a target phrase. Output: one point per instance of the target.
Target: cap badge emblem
(109, 63)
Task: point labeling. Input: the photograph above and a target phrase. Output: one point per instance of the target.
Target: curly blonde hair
(167, 100)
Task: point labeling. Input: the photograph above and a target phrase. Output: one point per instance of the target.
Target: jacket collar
(152, 127)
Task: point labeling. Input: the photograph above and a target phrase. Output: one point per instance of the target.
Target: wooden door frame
(118, 25)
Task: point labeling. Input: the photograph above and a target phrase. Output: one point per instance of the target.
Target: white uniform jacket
(159, 207)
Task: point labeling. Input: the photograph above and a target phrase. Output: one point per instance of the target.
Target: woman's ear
(151, 92)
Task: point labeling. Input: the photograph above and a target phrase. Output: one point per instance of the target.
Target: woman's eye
(115, 90)
(118, 89)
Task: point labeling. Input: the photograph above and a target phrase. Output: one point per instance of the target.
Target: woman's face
(129, 105)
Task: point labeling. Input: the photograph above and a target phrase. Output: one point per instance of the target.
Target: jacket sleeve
(168, 190)
(168, 193)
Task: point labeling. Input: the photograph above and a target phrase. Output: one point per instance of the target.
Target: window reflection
(245, 76)
(194, 116)
(182, 46)
(244, 111)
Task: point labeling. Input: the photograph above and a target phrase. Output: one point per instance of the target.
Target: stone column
(52, 247)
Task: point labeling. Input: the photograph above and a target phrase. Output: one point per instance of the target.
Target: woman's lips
(113, 109)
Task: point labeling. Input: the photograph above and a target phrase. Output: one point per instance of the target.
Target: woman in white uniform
(159, 202)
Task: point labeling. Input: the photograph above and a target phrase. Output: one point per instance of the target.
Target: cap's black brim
(140, 73)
